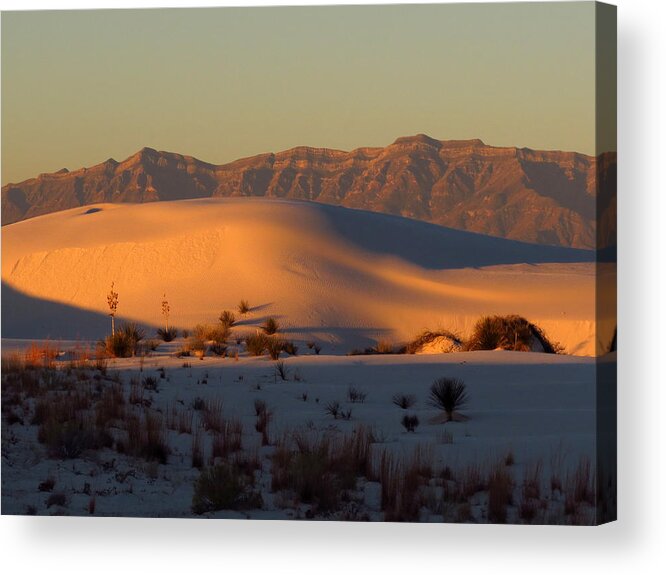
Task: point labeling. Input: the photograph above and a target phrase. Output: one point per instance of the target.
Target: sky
(79, 87)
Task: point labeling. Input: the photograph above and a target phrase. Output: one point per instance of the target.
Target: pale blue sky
(223, 83)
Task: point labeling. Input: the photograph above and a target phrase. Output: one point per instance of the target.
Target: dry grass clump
(500, 493)
(256, 343)
(228, 440)
(227, 485)
(319, 469)
(356, 395)
(243, 307)
(274, 346)
(509, 332)
(402, 480)
(146, 437)
(427, 337)
(212, 415)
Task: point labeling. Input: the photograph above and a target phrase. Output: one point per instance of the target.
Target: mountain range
(546, 197)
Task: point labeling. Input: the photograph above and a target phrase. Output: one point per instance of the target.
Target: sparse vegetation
(256, 343)
(404, 401)
(225, 486)
(355, 395)
(243, 307)
(281, 370)
(274, 346)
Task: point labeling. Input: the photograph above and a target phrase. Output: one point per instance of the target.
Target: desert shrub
(227, 318)
(167, 334)
(219, 349)
(410, 422)
(427, 337)
(150, 383)
(355, 395)
(289, 348)
(510, 332)
(197, 346)
(47, 485)
(243, 307)
(332, 408)
(69, 439)
(448, 394)
(314, 346)
(384, 347)
(281, 370)
(274, 346)
(403, 401)
(118, 345)
(256, 343)
(271, 326)
(318, 469)
(58, 499)
(225, 486)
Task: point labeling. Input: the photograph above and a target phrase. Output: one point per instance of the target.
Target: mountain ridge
(538, 196)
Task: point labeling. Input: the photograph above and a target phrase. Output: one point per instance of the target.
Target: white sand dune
(344, 277)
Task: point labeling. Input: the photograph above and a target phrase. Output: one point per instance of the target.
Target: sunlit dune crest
(344, 277)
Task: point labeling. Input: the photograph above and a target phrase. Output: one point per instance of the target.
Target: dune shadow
(256, 321)
(354, 337)
(436, 247)
(28, 317)
(261, 307)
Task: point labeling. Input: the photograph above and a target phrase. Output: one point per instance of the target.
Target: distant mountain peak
(529, 195)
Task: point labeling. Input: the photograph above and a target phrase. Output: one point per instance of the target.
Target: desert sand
(345, 278)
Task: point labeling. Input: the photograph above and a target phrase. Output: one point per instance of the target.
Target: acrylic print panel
(334, 263)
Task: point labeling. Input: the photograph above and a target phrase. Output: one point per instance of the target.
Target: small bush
(227, 318)
(167, 334)
(271, 326)
(225, 486)
(289, 348)
(281, 370)
(58, 499)
(448, 394)
(404, 401)
(314, 346)
(256, 343)
(218, 349)
(243, 307)
(274, 347)
(333, 409)
(150, 383)
(427, 337)
(510, 332)
(410, 422)
(355, 395)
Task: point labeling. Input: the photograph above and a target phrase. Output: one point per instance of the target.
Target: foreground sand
(540, 408)
(345, 278)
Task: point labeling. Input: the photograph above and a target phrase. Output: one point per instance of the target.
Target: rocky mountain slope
(544, 197)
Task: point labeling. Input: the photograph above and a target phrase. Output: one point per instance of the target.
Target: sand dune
(344, 277)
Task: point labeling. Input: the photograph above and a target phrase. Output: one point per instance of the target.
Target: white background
(634, 544)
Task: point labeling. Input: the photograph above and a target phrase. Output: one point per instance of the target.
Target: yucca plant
(271, 326)
(448, 394)
(227, 318)
(243, 307)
